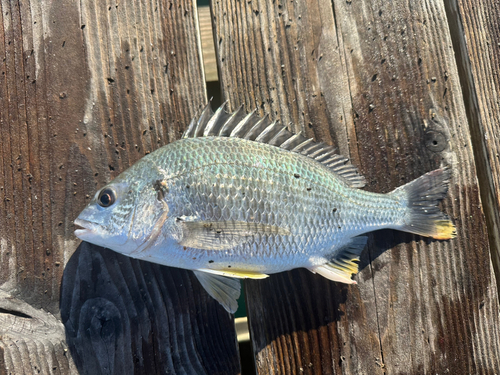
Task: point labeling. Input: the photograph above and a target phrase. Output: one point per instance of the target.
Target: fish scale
(240, 197)
(272, 179)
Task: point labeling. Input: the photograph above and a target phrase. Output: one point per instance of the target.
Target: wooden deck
(401, 87)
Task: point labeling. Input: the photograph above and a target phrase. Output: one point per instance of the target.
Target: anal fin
(344, 264)
(224, 290)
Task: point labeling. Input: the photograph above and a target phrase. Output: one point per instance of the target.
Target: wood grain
(122, 314)
(476, 31)
(281, 60)
(438, 316)
(32, 332)
(86, 89)
(421, 306)
(33, 132)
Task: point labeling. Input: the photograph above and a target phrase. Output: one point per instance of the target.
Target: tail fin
(423, 196)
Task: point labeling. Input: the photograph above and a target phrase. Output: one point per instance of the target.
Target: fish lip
(87, 227)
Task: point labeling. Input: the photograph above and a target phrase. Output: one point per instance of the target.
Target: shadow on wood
(302, 319)
(382, 240)
(122, 315)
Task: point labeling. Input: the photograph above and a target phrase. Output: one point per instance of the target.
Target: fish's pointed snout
(86, 228)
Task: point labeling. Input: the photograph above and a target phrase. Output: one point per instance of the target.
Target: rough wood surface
(86, 89)
(475, 27)
(421, 306)
(127, 316)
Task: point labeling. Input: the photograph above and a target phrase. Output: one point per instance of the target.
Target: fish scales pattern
(230, 179)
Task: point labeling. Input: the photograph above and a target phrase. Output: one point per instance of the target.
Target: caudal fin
(423, 196)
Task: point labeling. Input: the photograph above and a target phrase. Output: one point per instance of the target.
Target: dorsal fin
(260, 129)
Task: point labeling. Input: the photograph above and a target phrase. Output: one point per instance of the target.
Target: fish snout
(86, 229)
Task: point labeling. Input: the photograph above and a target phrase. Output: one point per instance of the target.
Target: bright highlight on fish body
(241, 197)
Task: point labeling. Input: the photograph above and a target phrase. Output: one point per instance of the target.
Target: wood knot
(435, 141)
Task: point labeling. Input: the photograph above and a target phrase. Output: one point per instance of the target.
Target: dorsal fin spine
(275, 141)
(289, 142)
(300, 146)
(226, 128)
(189, 129)
(257, 128)
(214, 120)
(321, 152)
(242, 124)
(329, 160)
(312, 147)
(254, 128)
(321, 158)
(203, 120)
(262, 136)
(315, 149)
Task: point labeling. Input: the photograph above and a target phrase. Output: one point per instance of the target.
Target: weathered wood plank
(87, 88)
(420, 306)
(475, 28)
(41, 336)
(268, 61)
(32, 146)
(438, 316)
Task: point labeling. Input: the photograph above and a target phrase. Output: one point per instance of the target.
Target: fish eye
(106, 197)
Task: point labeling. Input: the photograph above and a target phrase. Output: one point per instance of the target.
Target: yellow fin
(424, 216)
(240, 274)
(333, 273)
(344, 264)
(445, 230)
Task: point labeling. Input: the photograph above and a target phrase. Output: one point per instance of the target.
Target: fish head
(122, 215)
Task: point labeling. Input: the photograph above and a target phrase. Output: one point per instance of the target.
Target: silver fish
(241, 197)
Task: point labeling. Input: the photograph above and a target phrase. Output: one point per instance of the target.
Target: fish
(241, 197)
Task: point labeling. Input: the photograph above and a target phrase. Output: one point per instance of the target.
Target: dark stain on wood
(124, 315)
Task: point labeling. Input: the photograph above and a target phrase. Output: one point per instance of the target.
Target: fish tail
(423, 195)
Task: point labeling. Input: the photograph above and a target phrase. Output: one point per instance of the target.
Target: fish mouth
(87, 228)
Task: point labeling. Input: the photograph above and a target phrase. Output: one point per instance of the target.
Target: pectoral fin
(344, 264)
(223, 289)
(223, 235)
